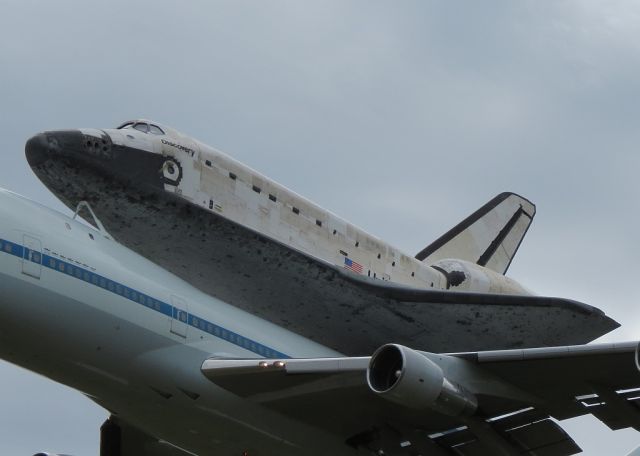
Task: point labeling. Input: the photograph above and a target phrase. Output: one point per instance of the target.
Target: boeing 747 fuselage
(81, 309)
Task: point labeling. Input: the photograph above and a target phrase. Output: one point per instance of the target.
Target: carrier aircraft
(285, 329)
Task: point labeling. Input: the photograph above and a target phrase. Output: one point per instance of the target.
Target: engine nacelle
(406, 377)
(466, 276)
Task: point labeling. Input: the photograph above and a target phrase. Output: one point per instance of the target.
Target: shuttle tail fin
(489, 237)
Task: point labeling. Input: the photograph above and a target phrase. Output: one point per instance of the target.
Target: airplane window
(143, 127)
(155, 130)
(125, 125)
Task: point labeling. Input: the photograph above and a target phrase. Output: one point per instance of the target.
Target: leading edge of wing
(216, 367)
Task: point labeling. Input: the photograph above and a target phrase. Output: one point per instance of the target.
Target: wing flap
(615, 409)
(544, 438)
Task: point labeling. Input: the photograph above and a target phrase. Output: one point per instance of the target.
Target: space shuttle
(247, 240)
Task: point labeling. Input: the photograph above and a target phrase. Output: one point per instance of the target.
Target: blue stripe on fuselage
(131, 294)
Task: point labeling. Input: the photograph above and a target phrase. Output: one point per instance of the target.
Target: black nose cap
(54, 144)
(37, 149)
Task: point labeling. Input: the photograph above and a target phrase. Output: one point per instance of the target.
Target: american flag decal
(353, 266)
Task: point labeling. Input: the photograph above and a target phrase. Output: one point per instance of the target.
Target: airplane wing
(439, 320)
(520, 395)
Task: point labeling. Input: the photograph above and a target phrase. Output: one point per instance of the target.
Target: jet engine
(406, 377)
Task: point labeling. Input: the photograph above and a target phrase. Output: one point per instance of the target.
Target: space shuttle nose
(37, 149)
(55, 144)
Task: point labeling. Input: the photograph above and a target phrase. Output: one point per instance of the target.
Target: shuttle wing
(556, 383)
(439, 320)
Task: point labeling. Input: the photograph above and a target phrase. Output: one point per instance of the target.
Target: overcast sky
(402, 117)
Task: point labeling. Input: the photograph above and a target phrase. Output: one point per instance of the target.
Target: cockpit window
(144, 127)
(155, 130)
(141, 126)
